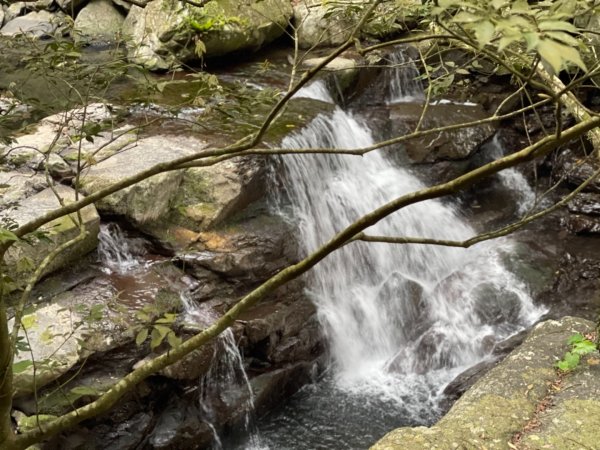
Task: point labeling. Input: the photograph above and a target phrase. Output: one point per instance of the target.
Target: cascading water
(401, 320)
(403, 81)
(226, 382)
(513, 179)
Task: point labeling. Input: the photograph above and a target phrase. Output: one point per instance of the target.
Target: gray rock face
(38, 24)
(100, 21)
(165, 34)
(16, 186)
(147, 200)
(58, 231)
(503, 402)
(576, 170)
(320, 24)
(456, 144)
(1, 17)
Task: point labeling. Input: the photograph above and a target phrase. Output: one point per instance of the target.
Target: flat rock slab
(57, 232)
(503, 403)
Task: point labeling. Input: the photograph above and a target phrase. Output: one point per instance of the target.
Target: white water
(401, 320)
(514, 180)
(226, 382)
(404, 84)
(115, 251)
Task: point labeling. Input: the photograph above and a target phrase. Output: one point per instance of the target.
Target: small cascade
(401, 320)
(225, 387)
(513, 179)
(403, 79)
(115, 251)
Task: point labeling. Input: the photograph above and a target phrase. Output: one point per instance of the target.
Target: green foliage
(580, 346)
(158, 329)
(519, 29)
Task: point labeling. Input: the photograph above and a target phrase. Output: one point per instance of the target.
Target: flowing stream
(401, 321)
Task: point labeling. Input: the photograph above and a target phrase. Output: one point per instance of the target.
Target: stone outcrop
(37, 24)
(99, 21)
(325, 25)
(165, 34)
(505, 406)
(57, 232)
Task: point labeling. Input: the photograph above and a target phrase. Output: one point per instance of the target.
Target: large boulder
(522, 400)
(37, 24)
(100, 21)
(165, 34)
(453, 144)
(16, 186)
(23, 257)
(149, 199)
(322, 24)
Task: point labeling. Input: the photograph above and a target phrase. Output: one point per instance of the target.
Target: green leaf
(484, 32)
(562, 37)
(28, 321)
(162, 329)
(553, 25)
(174, 340)
(569, 362)
(550, 52)
(7, 236)
(141, 336)
(21, 366)
(584, 347)
(155, 339)
(576, 338)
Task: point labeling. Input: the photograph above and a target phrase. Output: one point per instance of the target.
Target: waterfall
(513, 180)
(403, 79)
(226, 384)
(115, 251)
(401, 320)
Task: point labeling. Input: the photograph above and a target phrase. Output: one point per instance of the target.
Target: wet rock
(344, 70)
(504, 400)
(579, 224)
(577, 169)
(38, 24)
(463, 382)
(248, 252)
(99, 21)
(22, 258)
(271, 387)
(180, 426)
(162, 34)
(585, 203)
(446, 145)
(411, 316)
(495, 305)
(1, 17)
(94, 318)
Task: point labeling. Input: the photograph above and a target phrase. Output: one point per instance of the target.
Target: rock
(14, 10)
(181, 426)
(149, 199)
(322, 25)
(248, 252)
(16, 186)
(577, 169)
(58, 232)
(210, 195)
(37, 24)
(585, 203)
(503, 401)
(1, 17)
(447, 145)
(270, 388)
(99, 21)
(94, 318)
(495, 305)
(162, 35)
(36, 148)
(579, 224)
(344, 70)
